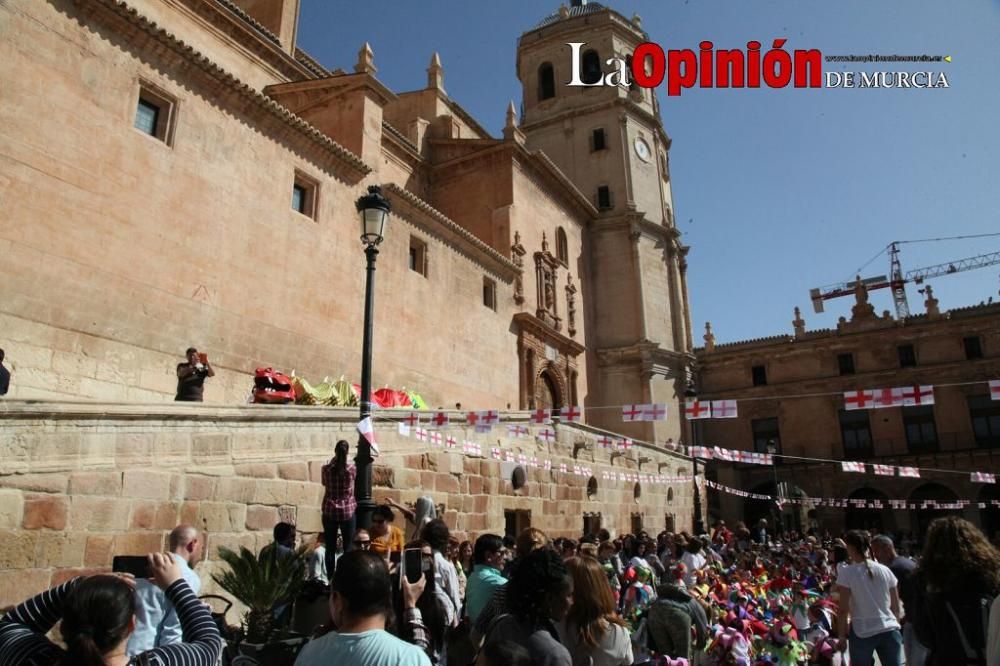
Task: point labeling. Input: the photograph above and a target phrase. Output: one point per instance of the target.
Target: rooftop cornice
(440, 225)
(650, 118)
(392, 134)
(126, 15)
(456, 108)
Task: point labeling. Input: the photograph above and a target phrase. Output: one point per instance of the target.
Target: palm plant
(262, 582)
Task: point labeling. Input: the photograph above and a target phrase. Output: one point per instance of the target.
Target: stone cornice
(532, 324)
(400, 140)
(122, 17)
(336, 84)
(438, 224)
(630, 106)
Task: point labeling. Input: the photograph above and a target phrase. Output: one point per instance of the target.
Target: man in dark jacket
(669, 621)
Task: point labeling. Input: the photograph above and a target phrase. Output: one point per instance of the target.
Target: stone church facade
(149, 150)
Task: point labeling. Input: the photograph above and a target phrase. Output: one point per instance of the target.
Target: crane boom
(920, 274)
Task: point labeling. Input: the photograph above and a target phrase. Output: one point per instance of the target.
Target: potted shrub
(266, 583)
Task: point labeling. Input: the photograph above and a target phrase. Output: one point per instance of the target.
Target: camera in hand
(137, 565)
(413, 564)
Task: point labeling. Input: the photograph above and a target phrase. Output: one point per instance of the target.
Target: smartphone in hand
(137, 565)
(202, 358)
(413, 564)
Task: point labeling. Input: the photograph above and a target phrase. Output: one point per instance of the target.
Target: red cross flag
(440, 420)
(604, 441)
(450, 442)
(570, 414)
(911, 472)
(495, 452)
(541, 416)
(654, 412)
(884, 470)
(864, 399)
(420, 434)
(982, 477)
(489, 417)
(547, 435)
(367, 431)
(918, 395)
(435, 438)
(703, 452)
(847, 466)
(517, 430)
(724, 409)
(694, 409)
(563, 468)
(626, 443)
(547, 465)
(533, 462)
(888, 397)
(472, 418)
(633, 412)
(995, 389)
(412, 419)
(472, 448)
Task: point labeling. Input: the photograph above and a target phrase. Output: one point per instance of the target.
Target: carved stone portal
(546, 266)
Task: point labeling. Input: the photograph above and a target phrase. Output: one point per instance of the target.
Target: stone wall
(81, 482)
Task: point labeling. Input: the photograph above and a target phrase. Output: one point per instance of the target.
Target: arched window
(562, 247)
(546, 81)
(633, 84)
(592, 67)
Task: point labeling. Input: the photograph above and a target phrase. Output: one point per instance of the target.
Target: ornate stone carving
(570, 305)
(709, 337)
(799, 323)
(546, 266)
(517, 253)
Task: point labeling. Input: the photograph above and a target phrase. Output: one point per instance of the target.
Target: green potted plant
(266, 583)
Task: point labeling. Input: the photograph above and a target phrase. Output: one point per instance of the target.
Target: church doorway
(547, 392)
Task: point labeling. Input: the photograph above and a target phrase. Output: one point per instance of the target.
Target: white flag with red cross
(517, 430)
(625, 443)
(472, 418)
(917, 395)
(495, 452)
(420, 434)
(563, 468)
(654, 412)
(547, 435)
(367, 430)
(571, 414)
(910, 472)
(450, 441)
(547, 465)
(440, 420)
(605, 442)
(724, 409)
(633, 412)
(887, 397)
(995, 389)
(490, 417)
(864, 399)
(884, 470)
(435, 438)
(848, 466)
(541, 416)
(695, 409)
(983, 477)
(412, 419)
(472, 448)
(704, 452)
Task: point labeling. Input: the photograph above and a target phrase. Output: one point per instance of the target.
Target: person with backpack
(670, 619)
(869, 606)
(957, 583)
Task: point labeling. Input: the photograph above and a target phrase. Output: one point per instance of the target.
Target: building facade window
(985, 416)
(591, 67)
(304, 195)
(921, 432)
(598, 140)
(562, 246)
(856, 434)
(907, 356)
(546, 81)
(418, 256)
(846, 364)
(758, 374)
(489, 293)
(154, 114)
(973, 347)
(765, 431)
(604, 201)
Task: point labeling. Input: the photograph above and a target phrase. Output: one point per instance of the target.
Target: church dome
(578, 8)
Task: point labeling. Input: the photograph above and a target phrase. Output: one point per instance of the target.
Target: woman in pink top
(339, 504)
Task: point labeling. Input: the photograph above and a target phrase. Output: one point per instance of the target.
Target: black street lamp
(772, 448)
(374, 209)
(698, 522)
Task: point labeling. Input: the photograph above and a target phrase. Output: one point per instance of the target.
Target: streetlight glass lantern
(374, 210)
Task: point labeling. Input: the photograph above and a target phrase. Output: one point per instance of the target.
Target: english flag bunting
(604, 441)
(625, 443)
(911, 472)
(654, 412)
(633, 412)
(541, 416)
(884, 470)
(547, 435)
(367, 431)
(995, 389)
(859, 399)
(570, 414)
(697, 410)
(440, 420)
(888, 397)
(724, 409)
(704, 452)
(847, 466)
(420, 434)
(918, 395)
(412, 419)
(983, 477)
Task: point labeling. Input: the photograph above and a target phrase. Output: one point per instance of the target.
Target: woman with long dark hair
(339, 504)
(958, 578)
(594, 633)
(869, 606)
(434, 606)
(98, 615)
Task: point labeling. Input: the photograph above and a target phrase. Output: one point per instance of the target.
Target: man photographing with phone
(191, 376)
(156, 621)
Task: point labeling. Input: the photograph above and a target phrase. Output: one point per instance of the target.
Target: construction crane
(897, 279)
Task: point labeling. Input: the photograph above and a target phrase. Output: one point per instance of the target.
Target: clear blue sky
(776, 191)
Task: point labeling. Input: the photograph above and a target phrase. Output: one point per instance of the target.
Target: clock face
(642, 149)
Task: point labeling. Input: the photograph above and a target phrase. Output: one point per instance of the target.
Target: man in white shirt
(156, 621)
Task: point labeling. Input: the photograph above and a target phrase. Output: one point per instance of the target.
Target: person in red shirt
(339, 504)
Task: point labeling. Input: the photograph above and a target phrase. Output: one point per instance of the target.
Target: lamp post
(374, 210)
(772, 448)
(698, 521)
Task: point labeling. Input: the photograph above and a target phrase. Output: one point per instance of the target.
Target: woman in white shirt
(869, 605)
(593, 633)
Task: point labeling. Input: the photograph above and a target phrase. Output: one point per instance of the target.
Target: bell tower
(607, 137)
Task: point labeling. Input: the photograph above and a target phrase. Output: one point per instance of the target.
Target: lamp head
(374, 210)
